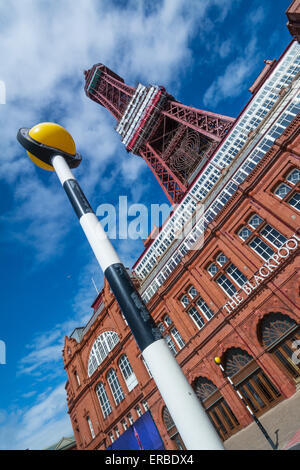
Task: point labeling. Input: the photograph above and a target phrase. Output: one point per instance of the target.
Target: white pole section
(101, 245)
(191, 420)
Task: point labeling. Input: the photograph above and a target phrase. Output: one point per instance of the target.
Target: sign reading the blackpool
(284, 252)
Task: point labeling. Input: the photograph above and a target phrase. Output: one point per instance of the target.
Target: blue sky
(205, 52)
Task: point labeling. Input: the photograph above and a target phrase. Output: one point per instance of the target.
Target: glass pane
(185, 301)
(177, 337)
(212, 269)
(270, 384)
(204, 308)
(294, 176)
(273, 236)
(236, 275)
(226, 285)
(295, 201)
(245, 233)
(263, 388)
(196, 317)
(289, 367)
(261, 248)
(248, 399)
(221, 259)
(282, 190)
(193, 292)
(255, 221)
(167, 320)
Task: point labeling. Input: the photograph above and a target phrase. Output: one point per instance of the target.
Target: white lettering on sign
(263, 273)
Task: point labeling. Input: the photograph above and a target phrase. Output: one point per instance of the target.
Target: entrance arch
(280, 336)
(218, 410)
(250, 380)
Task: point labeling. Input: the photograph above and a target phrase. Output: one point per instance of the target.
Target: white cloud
(235, 78)
(39, 426)
(44, 51)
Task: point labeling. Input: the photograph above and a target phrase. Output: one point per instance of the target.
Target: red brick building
(236, 297)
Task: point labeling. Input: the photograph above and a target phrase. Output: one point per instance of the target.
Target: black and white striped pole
(51, 147)
(255, 418)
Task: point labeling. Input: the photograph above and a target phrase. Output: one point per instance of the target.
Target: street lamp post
(51, 147)
(255, 418)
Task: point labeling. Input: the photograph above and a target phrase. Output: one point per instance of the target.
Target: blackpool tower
(175, 140)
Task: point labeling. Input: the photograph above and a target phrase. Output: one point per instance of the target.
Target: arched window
(115, 386)
(127, 372)
(216, 407)
(172, 430)
(254, 385)
(103, 345)
(280, 335)
(103, 399)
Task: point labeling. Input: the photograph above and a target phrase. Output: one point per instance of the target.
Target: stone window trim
(194, 300)
(293, 188)
(198, 309)
(222, 271)
(255, 234)
(221, 268)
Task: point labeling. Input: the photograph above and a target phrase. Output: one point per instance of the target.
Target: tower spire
(174, 140)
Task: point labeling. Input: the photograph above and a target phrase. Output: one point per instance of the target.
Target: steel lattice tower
(174, 140)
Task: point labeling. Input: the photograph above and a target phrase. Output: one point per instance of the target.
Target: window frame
(294, 188)
(115, 386)
(257, 237)
(127, 372)
(222, 276)
(194, 301)
(106, 407)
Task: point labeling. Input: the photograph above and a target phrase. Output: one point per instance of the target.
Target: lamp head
(218, 360)
(46, 140)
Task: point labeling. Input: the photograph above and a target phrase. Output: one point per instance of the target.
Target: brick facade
(237, 327)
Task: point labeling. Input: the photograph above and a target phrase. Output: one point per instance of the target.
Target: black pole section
(274, 447)
(131, 304)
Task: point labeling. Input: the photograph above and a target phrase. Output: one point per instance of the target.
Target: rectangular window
(273, 236)
(236, 275)
(295, 201)
(196, 317)
(261, 248)
(130, 418)
(204, 308)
